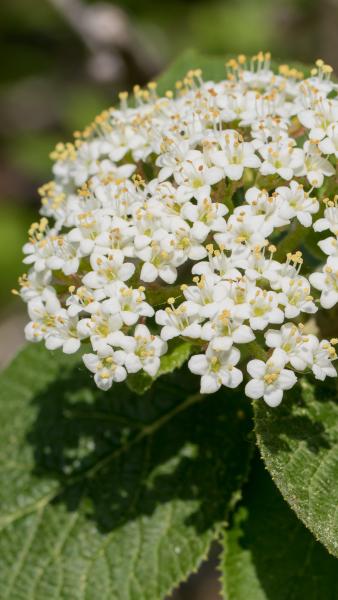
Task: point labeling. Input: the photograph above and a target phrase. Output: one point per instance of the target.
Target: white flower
(227, 328)
(260, 203)
(270, 379)
(260, 267)
(237, 106)
(206, 216)
(235, 155)
(100, 328)
(125, 137)
(200, 297)
(86, 163)
(292, 342)
(107, 270)
(53, 324)
(239, 292)
(330, 219)
(49, 250)
(148, 221)
(296, 203)
(158, 259)
(195, 178)
(327, 283)
(55, 203)
(119, 237)
(320, 119)
(183, 320)
(129, 303)
(89, 226)
(281, 158)
(323, 353)
(264, 309)
(329, 246)
(166, 194)
(225, 264)
(83, 300)
(244, 230)
(216, 369)
(64, 335)
(43, 313)
(73, 166)
(173, 153)
(278, 271)
(329, 145)
(187, 243)
(315, 166)
(143, 350)
(295, 296)
(35, 285)
(269, 129)
(109, 195)
(107, 367)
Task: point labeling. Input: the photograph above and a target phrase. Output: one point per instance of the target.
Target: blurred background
(63, 61)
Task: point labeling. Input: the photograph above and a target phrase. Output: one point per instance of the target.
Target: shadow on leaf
(119, 456)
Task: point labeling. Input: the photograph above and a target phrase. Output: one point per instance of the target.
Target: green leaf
(140, 382)
(270, 555)
(212, 68)
(110, 495)
(178, 353)
(299, 444)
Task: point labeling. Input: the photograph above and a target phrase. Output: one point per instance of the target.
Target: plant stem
(229, 191)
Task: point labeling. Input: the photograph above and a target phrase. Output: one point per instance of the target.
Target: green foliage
(243, 23)
(299, 444)
(111, 496)
(212, 68)
(269, 555)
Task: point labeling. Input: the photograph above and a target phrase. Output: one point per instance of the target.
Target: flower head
(184, 217)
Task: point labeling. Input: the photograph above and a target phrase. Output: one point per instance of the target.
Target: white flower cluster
(200, 199)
